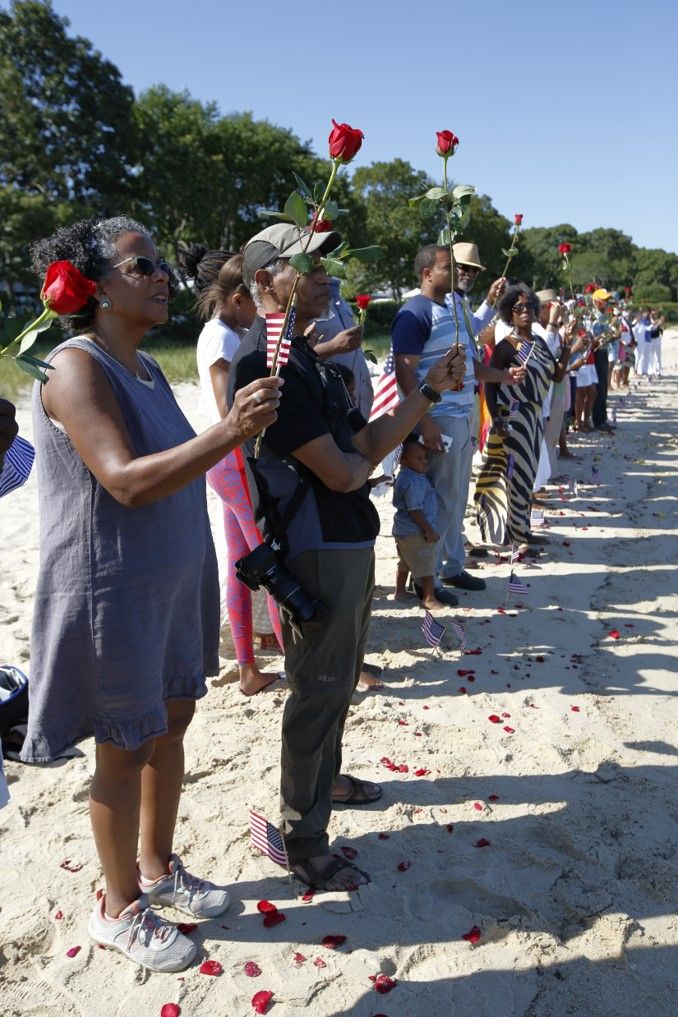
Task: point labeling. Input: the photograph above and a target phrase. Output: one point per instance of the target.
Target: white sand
(575, 894)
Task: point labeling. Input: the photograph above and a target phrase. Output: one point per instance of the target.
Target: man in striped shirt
(424, 327)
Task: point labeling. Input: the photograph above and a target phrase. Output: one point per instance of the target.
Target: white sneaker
(179, 889)
(140, 934)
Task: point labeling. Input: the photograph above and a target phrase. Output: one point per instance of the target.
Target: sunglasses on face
(521, 308)
(468, 269)
(143, 266)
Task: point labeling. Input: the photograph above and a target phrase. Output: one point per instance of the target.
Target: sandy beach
(553, 832)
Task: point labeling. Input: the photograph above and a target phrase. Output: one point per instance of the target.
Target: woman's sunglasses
(144, 266)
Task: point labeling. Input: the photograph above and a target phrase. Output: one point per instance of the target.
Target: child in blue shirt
(414, 524)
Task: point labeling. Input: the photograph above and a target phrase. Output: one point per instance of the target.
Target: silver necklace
(97, 339)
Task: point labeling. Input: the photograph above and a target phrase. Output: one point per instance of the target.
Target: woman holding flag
(504, 487)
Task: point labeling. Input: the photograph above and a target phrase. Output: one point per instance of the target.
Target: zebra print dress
(504, 487)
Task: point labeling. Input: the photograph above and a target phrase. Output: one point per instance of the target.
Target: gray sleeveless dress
(127, 601)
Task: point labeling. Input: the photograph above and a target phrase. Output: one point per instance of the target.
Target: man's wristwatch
(430, 393)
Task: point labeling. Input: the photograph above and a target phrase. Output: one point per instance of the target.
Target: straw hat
(546, 296)
(467, 254)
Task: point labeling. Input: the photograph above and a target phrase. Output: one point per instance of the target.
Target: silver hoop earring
(105, 304)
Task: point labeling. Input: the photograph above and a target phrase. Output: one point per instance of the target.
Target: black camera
(262, 567)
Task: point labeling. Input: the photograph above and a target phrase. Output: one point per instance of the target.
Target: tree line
(76, 141)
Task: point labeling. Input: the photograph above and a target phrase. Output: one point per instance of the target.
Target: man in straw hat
(423, 328)
(597, 328)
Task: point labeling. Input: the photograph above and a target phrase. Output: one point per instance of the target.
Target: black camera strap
(277, 522)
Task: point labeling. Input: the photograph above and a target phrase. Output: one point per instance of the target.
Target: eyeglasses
(468, 269)
(144, 266)
(520, 308)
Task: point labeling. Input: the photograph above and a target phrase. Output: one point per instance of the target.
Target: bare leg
(161, 788)
(252, 680)
(114, 806)
(401, 593)
(429, 601)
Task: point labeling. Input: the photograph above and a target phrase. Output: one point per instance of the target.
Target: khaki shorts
(417, 555)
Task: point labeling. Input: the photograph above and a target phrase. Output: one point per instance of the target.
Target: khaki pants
(323, 666)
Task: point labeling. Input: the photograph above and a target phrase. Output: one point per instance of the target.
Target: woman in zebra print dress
(504, 487)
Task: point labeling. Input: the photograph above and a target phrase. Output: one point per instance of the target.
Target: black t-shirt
(314, 402)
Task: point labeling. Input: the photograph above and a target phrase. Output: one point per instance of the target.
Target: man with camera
(309, 488)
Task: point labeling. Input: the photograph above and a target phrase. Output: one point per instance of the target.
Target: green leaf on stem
(36, 368)
(444, 237)
(507, 254)
(302, 187)
(331, 211)
(413, 202)
(295, 208)
(463, 192)
(427, 208)
(31, 336)
(269, 212)
(302, 263)
(369, 355)
(333, 267)
(342, 251)
(367, 255)
(435, 193)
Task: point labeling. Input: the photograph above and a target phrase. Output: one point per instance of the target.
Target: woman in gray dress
(126, 622)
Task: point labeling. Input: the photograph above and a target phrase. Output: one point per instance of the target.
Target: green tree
(384, 188)
(542, 242)
(491, 232)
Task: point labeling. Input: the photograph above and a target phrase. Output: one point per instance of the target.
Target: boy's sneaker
(140, 934)
(179, 889)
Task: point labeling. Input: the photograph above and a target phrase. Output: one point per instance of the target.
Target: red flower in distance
(65, 289)
(517, 219)
(321, 226)
(446, 143)
(344, 142)
(590, 288)
(363, 300)
(260, 1001)
(564, 248)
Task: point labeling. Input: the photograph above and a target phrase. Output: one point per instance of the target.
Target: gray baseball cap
(283, 241)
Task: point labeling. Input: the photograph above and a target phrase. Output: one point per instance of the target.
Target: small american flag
(432, 629)
(266, 837)
(515, 554)
(386, 392)
(459, 632)
(513, 407)
(595, 476)
(573, 487)
(516, 585)
(17, 465)
(524, 351)
(510, 463)
(276, 344)
(537, 518)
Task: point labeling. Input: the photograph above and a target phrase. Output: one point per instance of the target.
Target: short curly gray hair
(90, 245)
(274, 269)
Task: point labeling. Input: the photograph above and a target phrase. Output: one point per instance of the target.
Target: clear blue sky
(566, 111)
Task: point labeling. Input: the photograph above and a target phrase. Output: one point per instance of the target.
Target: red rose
(446, 142)
(362, 300)
(66, 290)
(518, 218)
(590, 288)
(321, 226)
(564, 249)
(344, 142)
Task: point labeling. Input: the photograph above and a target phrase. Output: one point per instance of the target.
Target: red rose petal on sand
(382, 983)
(170, 1010)
(186, 927)
(493, 798)
(494, 718)
(540, 659)
(332, 942)
(462, 691)
(421, 772)
(319, 962)
(509, 730)
(501, 610)
(252, 970)
(70, 866)
(403, 866)
(74, 951)
(210, 967)
(473, 653)
(308, 896)
(426, 707)
(299, 958)
(627, 625)
(477, 806)
(349, 852)
(404, 723)
(273, 918)
(471, 678)
(566, 543)
(614, 634)
(506, 715)
(266, 907)
(383, 836)
(463, 671)
(450, 827)
(483, 842)
(473, 935)
(575, 709)
(59, 915)
(260, 1000)
(403, 768)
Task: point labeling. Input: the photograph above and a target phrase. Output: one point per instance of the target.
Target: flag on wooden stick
(267, 838)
